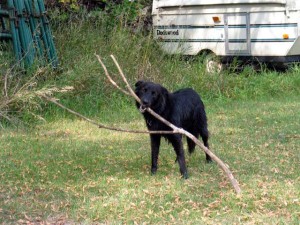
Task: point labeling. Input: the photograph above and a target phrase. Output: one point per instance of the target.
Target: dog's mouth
(142, 108)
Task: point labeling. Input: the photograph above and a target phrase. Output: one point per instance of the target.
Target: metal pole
(34, 28)
(14, 32)
(53, 56)
(25, 34)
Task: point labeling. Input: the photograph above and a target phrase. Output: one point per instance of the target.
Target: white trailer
(264, 30)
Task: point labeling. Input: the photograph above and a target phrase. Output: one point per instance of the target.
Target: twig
(5, 84)
(109, 77)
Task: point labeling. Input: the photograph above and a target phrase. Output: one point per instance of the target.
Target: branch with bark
(100, 125)
(175, 129)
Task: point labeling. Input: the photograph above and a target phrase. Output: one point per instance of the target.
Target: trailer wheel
(213, 64)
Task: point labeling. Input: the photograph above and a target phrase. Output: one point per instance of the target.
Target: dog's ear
(139, 83)
(165, 92)
(164, 98)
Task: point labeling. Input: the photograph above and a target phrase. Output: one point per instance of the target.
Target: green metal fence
(25, 24)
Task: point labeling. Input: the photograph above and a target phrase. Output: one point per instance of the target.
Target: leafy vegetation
(61, 169)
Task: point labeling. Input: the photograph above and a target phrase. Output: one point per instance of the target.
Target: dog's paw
(153, 172)
(185, 176)
(208, 161)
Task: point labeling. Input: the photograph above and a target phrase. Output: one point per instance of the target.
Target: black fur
(183, 108)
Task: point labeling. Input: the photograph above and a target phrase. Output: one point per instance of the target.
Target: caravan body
(265, 29)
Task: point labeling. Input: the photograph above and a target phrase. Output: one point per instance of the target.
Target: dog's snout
(145, 101)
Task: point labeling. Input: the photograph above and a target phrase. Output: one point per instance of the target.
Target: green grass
(70, 170)
(65, 170)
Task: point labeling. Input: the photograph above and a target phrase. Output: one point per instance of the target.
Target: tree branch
(220, 163)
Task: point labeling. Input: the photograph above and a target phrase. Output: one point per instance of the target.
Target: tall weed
(141, 58)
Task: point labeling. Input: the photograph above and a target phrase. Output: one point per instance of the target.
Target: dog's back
(185, 105)
(189, 109)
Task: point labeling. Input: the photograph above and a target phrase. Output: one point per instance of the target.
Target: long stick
(221, 164)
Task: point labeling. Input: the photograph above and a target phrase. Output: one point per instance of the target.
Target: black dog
(183, 108)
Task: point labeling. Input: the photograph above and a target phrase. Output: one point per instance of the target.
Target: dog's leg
(176, 141)
(205, 141)
(155, 143)
(204, 135)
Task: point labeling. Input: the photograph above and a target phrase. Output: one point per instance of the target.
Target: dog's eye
(153, 93)
(144, 90)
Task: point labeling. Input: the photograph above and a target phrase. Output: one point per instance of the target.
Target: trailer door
(237, 34)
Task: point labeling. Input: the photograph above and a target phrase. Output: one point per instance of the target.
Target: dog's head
(152, 96)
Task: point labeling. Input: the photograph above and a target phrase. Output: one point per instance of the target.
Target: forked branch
(130, 92)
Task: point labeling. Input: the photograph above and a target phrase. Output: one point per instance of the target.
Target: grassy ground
(65, 170)
(68, 170)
